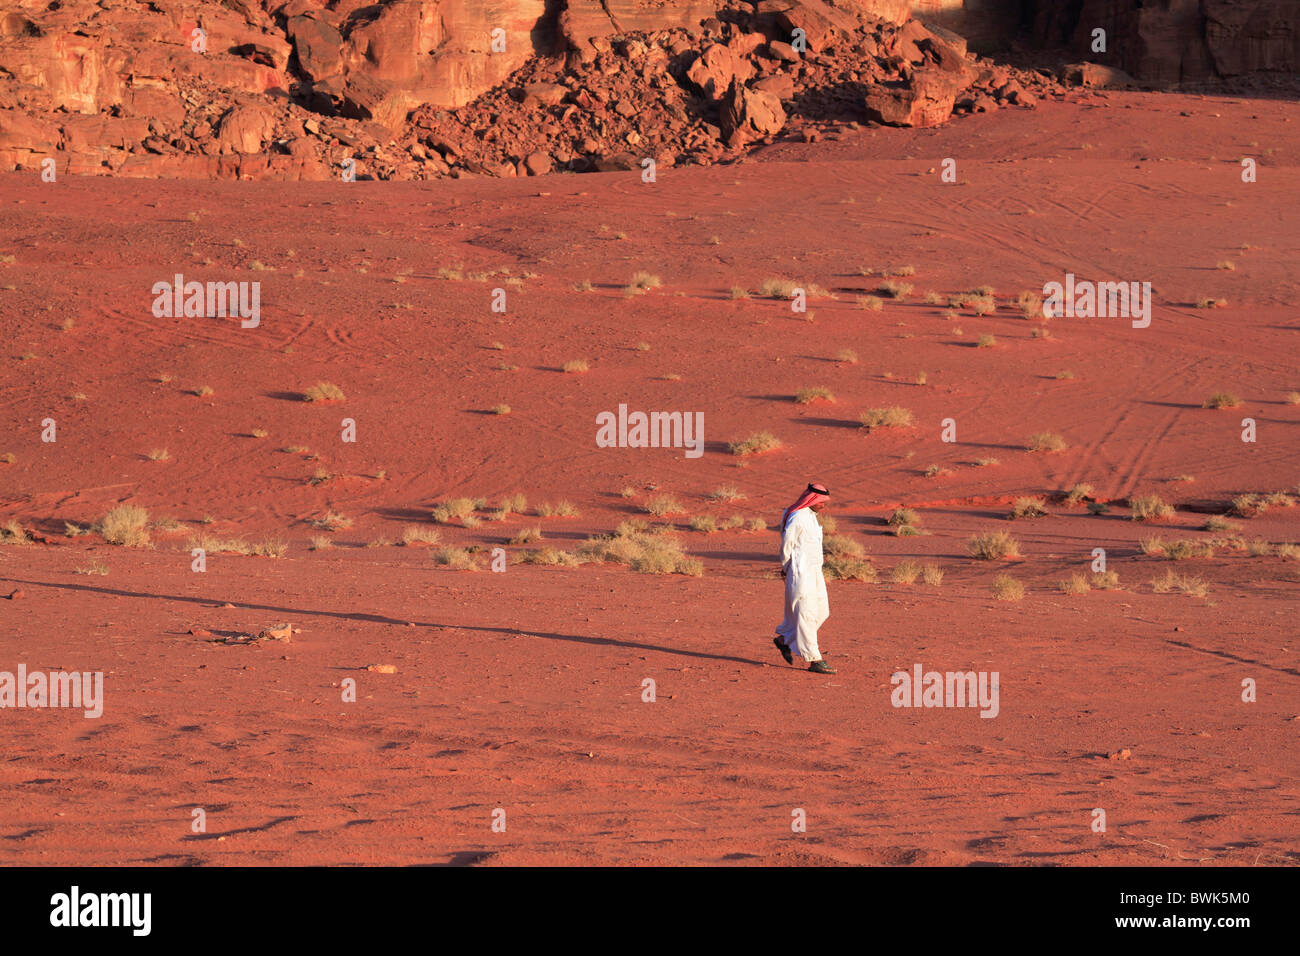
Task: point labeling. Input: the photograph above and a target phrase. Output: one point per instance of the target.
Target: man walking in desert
(806, 605)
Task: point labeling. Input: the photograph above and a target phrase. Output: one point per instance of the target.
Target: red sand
(522, 690)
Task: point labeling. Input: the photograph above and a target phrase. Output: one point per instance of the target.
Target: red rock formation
(1176, 41)
(423, 88)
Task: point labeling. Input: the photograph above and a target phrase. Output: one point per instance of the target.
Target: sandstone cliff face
(1177, 41)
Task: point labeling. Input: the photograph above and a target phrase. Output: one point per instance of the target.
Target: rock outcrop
(1170, 42)
(426, 88)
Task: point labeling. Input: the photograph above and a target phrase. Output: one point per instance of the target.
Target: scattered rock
(382, 668)
(278, 632)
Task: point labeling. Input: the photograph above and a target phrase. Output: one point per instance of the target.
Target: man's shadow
(382, 619)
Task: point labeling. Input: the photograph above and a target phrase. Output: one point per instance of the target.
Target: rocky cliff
(421, 88)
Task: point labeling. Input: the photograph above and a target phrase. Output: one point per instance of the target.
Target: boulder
(538, 163)
(365, 97)
(780, 50)
(243, 129)
(780, 85)
(317, 45)
(922, 45)
(713, 71)
(926, 99)
(543, 94)
(750, 114)
(1095, 75)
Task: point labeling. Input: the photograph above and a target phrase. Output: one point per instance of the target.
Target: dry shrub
(1185, 548)
(806, 396)
(663, 504)
(1030, 304)
(843, 567)
(1007, 588)
(457, 559)
(13, 533)
(1045, 442)
(905, 572)
(1150, 508)
(1029, 508)
(331, 521)
(841, 546)
(125, 525)
(1151, 545)
(323, 392)
(1222, 400)
(447, 511)
(992, 546)
(890, 417)
(704, 523)
(895, 290)
(726, 493)
(527, 535)
(755, 444)
(269, 548)
(904, 522)
(1077, 584)
(414, 534)
(643, 551)
(1248, 506)
(1171, 581)
(549, 556)
(1078, 495)
(1105, 580)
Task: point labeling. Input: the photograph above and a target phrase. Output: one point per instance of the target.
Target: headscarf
(814, 494)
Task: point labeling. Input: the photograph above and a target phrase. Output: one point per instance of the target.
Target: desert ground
(522, 691)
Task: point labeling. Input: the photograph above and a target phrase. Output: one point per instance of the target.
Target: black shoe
(785, 651)
(821, 667)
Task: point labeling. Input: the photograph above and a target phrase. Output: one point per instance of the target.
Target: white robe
(806, 605)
